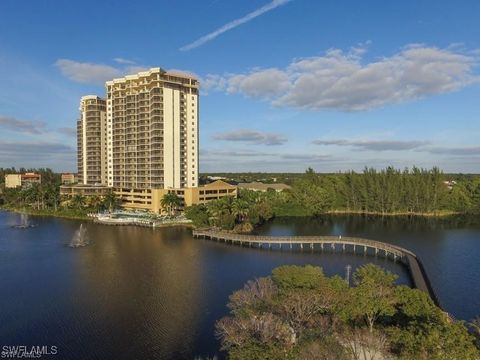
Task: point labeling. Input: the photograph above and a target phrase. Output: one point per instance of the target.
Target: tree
(299, 313)
(171, 202)
(78, 202)
(327, 348)
(255, 293)
(220, 207)
(374, 294)
(427, 340)
(198, 214)
(474, 326)
(221, 212)
(240, 209)
(95, 202)
(362, 344)
(415, 305)
(298, 277)
(111, 200)
(312, 193)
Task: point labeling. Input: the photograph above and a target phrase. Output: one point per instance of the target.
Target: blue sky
(285, 84)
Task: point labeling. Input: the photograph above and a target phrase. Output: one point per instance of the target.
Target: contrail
(233, 24)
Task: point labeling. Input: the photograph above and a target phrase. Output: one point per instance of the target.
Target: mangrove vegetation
(386, 192)
(299, 313)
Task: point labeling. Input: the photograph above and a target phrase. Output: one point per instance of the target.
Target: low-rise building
(19, 180)
(31, 178)
(69, 178)
(150, 199)
(258, 186)
(84, 190)
(13, 181)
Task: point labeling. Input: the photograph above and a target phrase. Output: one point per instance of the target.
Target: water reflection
(146, 282)
(138, 293)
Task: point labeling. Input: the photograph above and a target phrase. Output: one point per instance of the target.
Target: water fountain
(24, 222)
(80, 238)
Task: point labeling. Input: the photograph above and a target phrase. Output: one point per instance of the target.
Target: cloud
(341, 81)
(306, 157)
(375, 145)
(33, 147)
(267, 83)
(252, 136)
(233, 24)
(181, 72)
(473, 150)
(36, 154)
(91, 73)
(223, 153)
(247, 160)
(22, 126)
(68, 131)
(87, 73)
(124, 61)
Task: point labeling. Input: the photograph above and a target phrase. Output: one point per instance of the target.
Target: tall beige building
(91, 141)
(152, 131)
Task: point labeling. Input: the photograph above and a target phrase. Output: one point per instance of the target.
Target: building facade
(13, 181)
(91, 141)
(69, 178)
(19, 180)
(258, 186)
(85, 190)
(152, 122)
(150, 199)
(142, 142)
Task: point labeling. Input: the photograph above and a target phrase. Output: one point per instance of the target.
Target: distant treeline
(388, 191)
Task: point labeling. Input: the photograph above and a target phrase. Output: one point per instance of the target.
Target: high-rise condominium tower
(91, 141)
(152, 131)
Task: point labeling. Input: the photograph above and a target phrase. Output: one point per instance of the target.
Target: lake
(137, 293)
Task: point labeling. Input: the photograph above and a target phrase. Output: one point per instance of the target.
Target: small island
(299, 313)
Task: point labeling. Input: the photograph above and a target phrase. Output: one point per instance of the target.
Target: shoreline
(91, 219)
(47, 213)
(435, 214)
(61, 215)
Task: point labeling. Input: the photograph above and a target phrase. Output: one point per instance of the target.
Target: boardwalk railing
(413, 263)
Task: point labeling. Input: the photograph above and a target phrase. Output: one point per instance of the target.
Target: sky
(285, 84)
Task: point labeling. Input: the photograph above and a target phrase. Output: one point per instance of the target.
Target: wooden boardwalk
(323, 243)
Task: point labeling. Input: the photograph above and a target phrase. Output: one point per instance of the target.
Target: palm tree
(78, 202)
(171, 202)
(95, 202)
(32, 194)
(220, 207)
(240, 209)
(111, 200)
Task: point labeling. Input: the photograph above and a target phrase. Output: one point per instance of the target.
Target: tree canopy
(299, 313)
